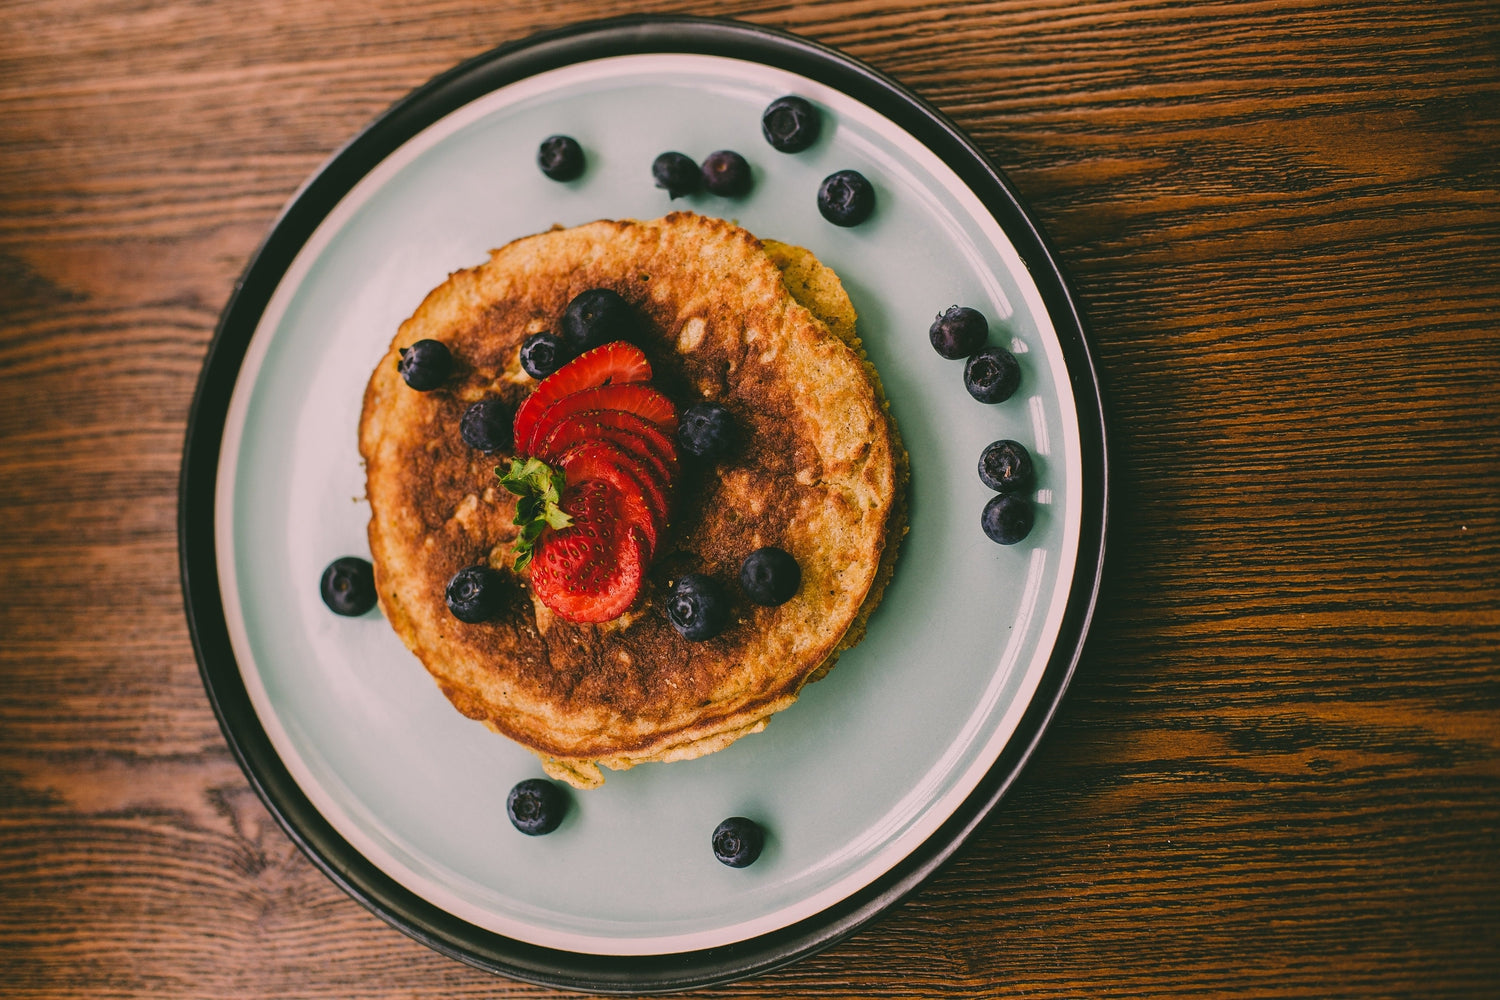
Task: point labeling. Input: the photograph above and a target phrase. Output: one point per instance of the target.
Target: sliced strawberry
(574, 431)
(645, 438)
(592, 570)
(642, 400)
(641, 501)
(588, 459)
(615, 363)
(580, 428)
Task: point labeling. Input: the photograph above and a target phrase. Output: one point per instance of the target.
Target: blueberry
(846, 198)
(474, 594)
(677, 173)
(992, 375)
(706, 430)
(542, 354)
(486, 426)
(560, 157)
(770, 576)
(790, 124)
(697, 607)
(958, 332)
(348, 586)
(738, 841)
(425, 365)
(536, 806)
(1007, 518)
(1005, 466)
(726, 173)
(596, 317)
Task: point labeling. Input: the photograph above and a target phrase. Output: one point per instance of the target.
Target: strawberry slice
(576, 430)
(640, 436)
(615, 363)
(642, 503)
(642, 400)
(570, 433)
(592, 570)
(662, 444)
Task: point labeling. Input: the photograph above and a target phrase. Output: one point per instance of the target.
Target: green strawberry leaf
(539, 487)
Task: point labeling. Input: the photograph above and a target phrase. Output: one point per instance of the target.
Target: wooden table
(1276, 771)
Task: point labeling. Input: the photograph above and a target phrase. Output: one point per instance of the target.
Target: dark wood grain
(1277, 772)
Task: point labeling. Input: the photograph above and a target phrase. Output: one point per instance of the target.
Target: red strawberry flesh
(592, 570)
(572, 432)
(641, 400)
(640, 501)
(612, 436)
(615, 363)
(630, 449)
(640, 436)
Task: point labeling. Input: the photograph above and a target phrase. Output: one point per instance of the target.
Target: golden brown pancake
(764, 329)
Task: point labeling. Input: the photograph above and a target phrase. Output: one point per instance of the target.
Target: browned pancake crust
(817, 474)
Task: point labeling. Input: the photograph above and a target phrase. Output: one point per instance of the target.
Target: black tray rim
(219, 670)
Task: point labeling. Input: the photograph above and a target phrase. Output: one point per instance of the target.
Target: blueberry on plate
(846, 198)
(596, 316)
(727, 174)
(958, 332)
(706, 430)
(790, 124)
(542, 354)
(560, 157)
(486, 426)
(676, 173)
(738, 841)
(474, 594)
(1006, 467)
(992, 375)
(536, 806)
(770, 576)
(1007, 518)
(697, 607)
(425, 365)
(348, 586)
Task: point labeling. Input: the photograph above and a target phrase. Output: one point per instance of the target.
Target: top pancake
(817, 473)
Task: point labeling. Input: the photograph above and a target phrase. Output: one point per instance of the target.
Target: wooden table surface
(1277, 771)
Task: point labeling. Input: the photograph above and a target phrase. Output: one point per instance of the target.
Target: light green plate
(871, 760)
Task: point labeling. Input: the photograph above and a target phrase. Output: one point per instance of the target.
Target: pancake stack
(763, 329)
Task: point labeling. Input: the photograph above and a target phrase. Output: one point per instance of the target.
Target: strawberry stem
(539, 487)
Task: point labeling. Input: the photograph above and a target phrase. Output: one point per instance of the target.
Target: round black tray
(206, 620)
